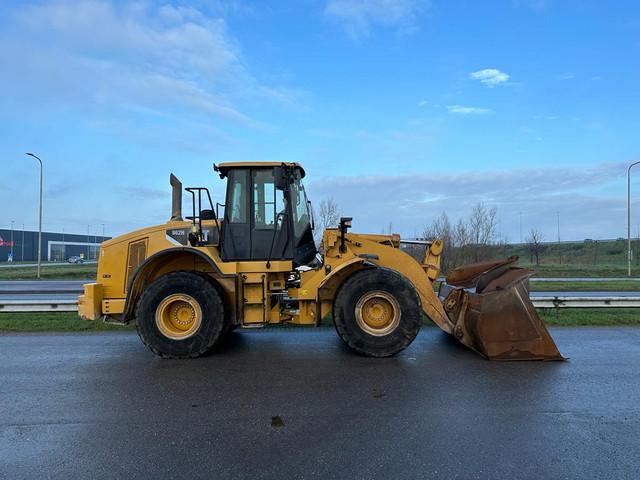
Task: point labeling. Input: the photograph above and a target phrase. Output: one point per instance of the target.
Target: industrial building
(56, 247)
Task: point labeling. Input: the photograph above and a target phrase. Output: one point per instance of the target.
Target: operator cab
(267, 215)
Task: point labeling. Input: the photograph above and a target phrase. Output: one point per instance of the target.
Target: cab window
(238, 197)
(266, 199)
(301, 218)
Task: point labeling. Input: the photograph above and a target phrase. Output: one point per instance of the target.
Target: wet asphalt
(297, 404)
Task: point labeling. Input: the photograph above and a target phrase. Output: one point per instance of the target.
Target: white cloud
(93, 53)
(490, 77)
(566, 76)
(464, 110)
(358, 17)
(423, 103)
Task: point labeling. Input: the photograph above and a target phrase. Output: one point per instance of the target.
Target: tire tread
(377, 279)
(180, 279)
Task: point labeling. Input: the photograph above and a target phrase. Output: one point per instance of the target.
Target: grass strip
(577, 317)
(58, 272)
(612, 286)
(70, 322)
(53, 322)
(580, 270)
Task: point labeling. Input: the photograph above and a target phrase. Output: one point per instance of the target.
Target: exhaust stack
(176, 198)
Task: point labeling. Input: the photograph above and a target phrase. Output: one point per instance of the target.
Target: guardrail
(538, 302)
(585, 302)
(38, 306)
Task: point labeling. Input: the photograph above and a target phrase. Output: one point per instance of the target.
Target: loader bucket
(490, 307)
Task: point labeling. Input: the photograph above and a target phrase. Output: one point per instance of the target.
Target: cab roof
(223, 168)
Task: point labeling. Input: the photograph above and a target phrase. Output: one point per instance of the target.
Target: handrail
(198, 218)
(273, 238)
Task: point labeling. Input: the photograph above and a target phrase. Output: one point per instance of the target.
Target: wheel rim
(178, 316)
(378, 313)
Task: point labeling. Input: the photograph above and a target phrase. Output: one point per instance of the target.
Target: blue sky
(399, 109)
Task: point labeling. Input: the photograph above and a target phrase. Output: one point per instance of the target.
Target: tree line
(469, 239)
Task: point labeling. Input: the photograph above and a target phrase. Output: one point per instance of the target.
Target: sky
(398, 109)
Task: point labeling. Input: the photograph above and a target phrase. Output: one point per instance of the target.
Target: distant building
(56, 247)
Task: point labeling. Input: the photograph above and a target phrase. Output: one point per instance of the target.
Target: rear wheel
(377, 312)
(180, 315)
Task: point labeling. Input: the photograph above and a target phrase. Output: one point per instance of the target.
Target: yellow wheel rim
(378, 313)
(178, 316)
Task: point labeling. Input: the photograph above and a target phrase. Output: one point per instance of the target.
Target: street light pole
(40, 214)
(12, 222)
(22, 245)
(629, 217)
(520, 227)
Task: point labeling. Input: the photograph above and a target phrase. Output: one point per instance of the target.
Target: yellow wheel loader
(188, 283)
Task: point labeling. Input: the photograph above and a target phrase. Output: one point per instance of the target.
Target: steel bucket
(490, 307)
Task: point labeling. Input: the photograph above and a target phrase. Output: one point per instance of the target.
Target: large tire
(376, 312)
(181, 315)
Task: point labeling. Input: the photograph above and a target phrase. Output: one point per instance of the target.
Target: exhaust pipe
(176, 198)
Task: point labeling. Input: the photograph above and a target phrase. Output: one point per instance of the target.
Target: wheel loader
(189, 282)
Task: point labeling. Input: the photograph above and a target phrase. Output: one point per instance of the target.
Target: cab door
(256, 217)
(270, 221)
(236, 229)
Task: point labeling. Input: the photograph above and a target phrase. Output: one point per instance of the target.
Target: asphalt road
(43, 290)
(297, 404)
(43, 297)
(40, 286)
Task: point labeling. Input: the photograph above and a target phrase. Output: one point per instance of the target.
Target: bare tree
(534, 245)
(483, 223)
(461, 241)
(469, 240)
(329, 216)
(441, 228)
(329, 213)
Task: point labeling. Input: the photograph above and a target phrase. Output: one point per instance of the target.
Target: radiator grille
(137, 254)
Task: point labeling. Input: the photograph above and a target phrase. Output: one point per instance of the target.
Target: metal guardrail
(38, 306)
(585, 302)
(538, 302)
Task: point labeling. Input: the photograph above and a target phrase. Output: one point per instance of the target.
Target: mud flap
(493, 315)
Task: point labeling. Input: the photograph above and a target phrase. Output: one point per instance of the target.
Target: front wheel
(376, 312)
(180, 315)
